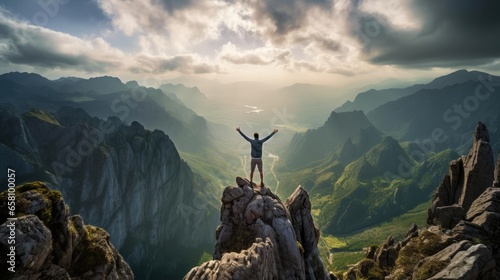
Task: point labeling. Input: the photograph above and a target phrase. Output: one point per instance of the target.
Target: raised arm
(270, 135)
(243, 134)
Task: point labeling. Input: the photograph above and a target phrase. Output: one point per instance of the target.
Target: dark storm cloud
(453, 33)
(286, 15)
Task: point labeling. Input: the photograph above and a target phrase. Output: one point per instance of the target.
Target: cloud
(25, 44)
(285, 16)
(186, 64)
(21, 43)
(258, 56)
(449, 33)
(173, 25)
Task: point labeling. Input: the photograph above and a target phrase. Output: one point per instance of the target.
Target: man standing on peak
(256, 153)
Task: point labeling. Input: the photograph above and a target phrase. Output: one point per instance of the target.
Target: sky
(332, 42)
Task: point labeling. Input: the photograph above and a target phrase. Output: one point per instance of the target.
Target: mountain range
(147, 164)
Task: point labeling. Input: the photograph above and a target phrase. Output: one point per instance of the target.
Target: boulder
(50, 244)
(474, 263)
(450, 216)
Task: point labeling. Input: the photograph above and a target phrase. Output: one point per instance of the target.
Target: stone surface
(467, 179)
(476, 262)
(248, 217)
(307, 233)
(50, 244)
(450, 216)
(386, 254)
(478, 167)
(257, 262)
(32, 242)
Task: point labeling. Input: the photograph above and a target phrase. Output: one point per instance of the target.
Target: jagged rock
(257, 263)
(386, 254)
(450, 216)
(252, 214)
(307, 233)
(474, 263)
(365, 269)
(33, 242)
(488, 201)
(468, 178)
(50, 244)
(478, 167)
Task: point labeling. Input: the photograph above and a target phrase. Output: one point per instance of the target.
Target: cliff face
(50, 244)
(462, 239)
(262, 238)
(125, 179)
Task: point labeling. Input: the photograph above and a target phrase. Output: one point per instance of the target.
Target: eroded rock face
(307, 233)
(468, 177)
(262, 238)
(478, 167)
(50, 244)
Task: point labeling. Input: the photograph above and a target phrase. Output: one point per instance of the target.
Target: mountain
(317, 144)
(108, 96)
(26, 79)
(51, 244)
(124, 178)
(371, 99)
(441, 118)
(461, 240)
(104, 85)
(383, 183)
(262, 238)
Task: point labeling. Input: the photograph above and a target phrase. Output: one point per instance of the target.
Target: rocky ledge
(262, 238)
(462, 237)
(50, 244)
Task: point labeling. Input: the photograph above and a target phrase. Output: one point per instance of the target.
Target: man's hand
(238, 128)
(275, 130)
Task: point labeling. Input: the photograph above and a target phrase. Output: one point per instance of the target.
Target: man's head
(256, 135)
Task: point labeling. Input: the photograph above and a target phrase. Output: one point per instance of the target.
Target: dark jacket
(256, 144)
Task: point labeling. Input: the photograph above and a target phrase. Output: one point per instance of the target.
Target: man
(256, 153)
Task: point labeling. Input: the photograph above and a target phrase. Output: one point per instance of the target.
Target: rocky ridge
(462, 238)
(51, 244)
(262, 238)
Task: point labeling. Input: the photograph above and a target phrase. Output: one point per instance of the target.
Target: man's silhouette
(256, 153)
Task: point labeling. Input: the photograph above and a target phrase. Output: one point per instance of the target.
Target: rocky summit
(51, 244)
(462, 237)
(262, 238)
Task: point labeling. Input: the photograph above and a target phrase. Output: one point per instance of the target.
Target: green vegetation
(43, 116)
(205, 257)
(93, 250)
(429, 269)
(23, 200)
(417, 249)
(354, 249)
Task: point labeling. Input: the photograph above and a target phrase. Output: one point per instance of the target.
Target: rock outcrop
(262, 238)
(468, 177)
(51, 244)
(462, 238)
